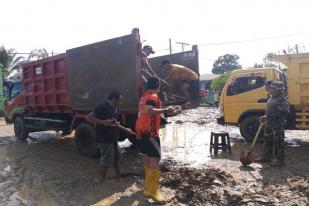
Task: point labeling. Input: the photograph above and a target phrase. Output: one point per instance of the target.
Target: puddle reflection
(185, 143)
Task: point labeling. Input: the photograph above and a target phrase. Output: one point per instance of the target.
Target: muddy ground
(47, 170)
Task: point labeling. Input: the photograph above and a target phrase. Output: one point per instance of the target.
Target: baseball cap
(148, 47)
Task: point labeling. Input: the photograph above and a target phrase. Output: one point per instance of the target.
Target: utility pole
(296, 49)
(170, 46)
(182, 45)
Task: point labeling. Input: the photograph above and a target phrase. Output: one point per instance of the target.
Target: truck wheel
(20, 130)
(85, 140)
(249, 126)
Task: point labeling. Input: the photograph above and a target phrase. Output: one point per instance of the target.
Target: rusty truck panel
(45, 85)
(96, 69)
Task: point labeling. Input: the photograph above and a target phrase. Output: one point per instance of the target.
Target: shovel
(247, 157)
(127, 130)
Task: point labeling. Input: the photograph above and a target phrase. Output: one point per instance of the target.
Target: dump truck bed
(95, 70)
(298, 86)
(81, 78)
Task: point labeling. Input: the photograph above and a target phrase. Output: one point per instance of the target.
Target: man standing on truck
(186, 76)
(103, 117)
(147, 132)
(277, 109)
(147, 50)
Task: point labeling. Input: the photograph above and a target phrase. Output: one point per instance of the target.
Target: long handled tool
(127, 130)
(247, 157)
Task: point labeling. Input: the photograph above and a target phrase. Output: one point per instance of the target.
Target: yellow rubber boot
(146, 182)
(153, 181)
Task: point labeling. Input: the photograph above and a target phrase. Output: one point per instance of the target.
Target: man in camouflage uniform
(275, 121)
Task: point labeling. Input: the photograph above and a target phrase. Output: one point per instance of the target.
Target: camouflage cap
(277, 85)
(268, 83)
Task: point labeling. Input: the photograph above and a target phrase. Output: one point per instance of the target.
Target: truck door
(244, 93)
(13, 103)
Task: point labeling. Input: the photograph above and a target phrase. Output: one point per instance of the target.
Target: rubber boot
(146, 182)
(153, 180)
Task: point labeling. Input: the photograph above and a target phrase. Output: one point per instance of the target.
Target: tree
(219, 82)
(9, 61)
(257, 65)
(226, 63)
(36, 54)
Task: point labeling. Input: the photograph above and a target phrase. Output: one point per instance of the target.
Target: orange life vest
(146, 123)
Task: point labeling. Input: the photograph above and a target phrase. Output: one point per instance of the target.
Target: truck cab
(13, 100)
(243, 98)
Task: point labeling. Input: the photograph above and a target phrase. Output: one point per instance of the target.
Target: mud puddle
(189, 143)
(187, 138)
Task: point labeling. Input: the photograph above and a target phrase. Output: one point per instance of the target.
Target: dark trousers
(274, 144)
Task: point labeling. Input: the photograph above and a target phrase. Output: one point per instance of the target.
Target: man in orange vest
(147, 132)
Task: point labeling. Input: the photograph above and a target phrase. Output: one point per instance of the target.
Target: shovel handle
(256, 137)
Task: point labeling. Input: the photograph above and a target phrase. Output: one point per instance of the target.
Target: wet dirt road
(47, 170)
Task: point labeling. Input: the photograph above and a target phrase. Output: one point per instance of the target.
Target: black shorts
(150, 146)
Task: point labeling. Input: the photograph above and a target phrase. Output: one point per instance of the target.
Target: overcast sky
(248, 28)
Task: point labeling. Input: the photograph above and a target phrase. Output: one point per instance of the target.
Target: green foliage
(219, 82)
(9, 61)
(269, 60)
(36, 54)
(226, 63)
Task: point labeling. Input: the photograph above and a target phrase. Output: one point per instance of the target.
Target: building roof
(207, 77)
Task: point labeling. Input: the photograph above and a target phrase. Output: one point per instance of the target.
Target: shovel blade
(247, 158)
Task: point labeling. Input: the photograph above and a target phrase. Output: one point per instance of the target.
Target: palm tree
(36, 54)
(269, 60)
(9, 61)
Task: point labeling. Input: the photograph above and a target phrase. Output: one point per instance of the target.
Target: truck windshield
(15, 89)
(245, 84)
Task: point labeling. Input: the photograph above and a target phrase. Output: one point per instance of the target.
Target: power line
(210, 44)
(250, 40)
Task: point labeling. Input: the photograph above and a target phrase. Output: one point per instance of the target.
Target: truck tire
(20, 130)
(85, 140)
(249, 126)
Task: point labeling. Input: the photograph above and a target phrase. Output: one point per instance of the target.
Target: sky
(248, 28)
